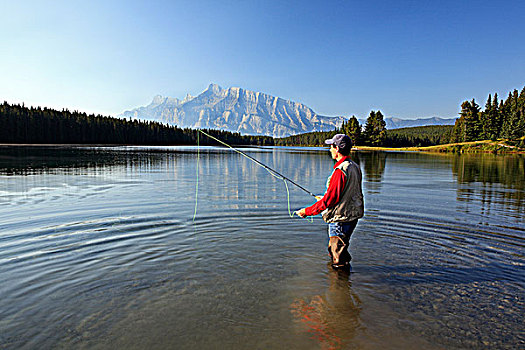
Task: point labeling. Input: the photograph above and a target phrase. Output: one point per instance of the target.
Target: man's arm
(330, 198)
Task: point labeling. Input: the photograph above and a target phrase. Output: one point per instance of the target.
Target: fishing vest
(350, 206)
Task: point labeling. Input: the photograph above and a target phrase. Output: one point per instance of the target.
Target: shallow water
(98, 249)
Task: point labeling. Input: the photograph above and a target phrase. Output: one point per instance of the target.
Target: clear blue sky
(407, 58)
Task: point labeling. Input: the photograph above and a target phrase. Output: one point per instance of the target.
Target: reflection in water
(446, 243)
(374, 168)
(98, 250)
(491, 181)
(332, 319)
(34, 160)
(229, 176)
(490, 173)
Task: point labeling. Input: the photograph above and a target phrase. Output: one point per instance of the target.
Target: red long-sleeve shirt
(333, 193)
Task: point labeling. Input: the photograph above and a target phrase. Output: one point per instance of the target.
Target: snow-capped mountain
(238, 110)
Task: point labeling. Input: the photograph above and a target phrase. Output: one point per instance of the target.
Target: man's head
(342, 142)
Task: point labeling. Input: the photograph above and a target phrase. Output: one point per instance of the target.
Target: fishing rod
(259, 163)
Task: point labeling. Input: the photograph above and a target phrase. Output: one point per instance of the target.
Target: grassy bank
(485, 146)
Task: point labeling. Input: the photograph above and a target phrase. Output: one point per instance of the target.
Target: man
(342, 204)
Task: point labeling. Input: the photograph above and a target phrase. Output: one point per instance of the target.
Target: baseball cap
(340, 140)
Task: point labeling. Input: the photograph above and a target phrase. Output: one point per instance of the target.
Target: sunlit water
(98, 249)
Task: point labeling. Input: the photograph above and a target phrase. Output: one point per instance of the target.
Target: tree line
(499, 120)
(20, 124)
(36, 125)
(373, 133)
(419, 136)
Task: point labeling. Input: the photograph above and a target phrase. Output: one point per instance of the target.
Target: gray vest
(350, 206)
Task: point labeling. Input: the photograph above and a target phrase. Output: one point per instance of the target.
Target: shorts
(341, 229)
(339, 240)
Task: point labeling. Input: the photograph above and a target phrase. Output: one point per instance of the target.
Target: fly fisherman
(342, 204)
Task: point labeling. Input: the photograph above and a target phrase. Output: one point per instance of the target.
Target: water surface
(99, 249)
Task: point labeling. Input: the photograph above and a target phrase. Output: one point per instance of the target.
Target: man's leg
(339, 241)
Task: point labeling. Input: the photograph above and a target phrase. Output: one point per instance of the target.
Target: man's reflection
(331, 319)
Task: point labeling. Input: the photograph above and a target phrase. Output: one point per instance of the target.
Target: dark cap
(340, 140)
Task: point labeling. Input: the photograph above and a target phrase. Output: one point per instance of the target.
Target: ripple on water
(111, 258)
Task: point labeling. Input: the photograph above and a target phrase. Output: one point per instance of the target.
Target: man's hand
(318, 197)
(301, 212)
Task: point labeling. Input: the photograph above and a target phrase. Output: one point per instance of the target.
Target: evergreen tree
(354, 130)
(497, 119)
(489, 119)
(484, 118)
(512, 113)
(506, 111)
(375, 129)
(521, 115)
(344, 128)
(457, 132)
(468, 126)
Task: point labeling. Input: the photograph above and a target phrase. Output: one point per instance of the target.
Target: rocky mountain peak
(213, 88)
(157, 100)
(238, 110)
(249, 112)
(187, 98)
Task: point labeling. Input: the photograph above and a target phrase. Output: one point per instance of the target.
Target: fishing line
(268, 169)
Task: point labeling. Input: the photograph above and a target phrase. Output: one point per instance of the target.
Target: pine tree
(520, 115)
(457, 132)
(489, 119)
(497, 116)
(354, 130)
(375, 129)
(484, 118)
(469, 128)
(344, 127)
(513, 123)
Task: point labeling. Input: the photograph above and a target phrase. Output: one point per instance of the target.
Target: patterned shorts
(341, 229)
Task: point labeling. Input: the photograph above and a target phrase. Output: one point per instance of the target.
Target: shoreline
(484, 146)
(79, 145)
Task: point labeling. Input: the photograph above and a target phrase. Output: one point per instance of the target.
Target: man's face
(333, 151)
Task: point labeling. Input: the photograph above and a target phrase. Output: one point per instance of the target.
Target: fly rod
(258, 162)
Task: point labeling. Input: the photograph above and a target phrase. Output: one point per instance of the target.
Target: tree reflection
(490, 173)
(33, 160)
(374, 168)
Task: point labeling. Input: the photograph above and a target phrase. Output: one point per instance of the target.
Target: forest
(20, 124)
(501, 119)
(419, 136)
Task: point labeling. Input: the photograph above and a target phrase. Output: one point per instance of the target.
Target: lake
(117, 247)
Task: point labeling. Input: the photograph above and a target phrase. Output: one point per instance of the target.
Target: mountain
(396, 123)
(253, 113)
(238, 110)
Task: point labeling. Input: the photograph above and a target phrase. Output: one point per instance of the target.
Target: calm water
(98, 249)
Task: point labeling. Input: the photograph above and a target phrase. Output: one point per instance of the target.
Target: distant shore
(80, 145)
(485, 146)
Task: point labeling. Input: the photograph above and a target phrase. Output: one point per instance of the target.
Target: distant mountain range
(248, 112)
(396, 123)
(238, 110)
